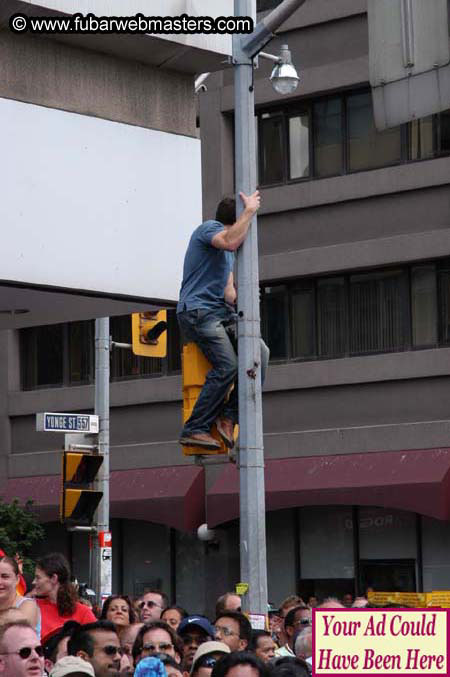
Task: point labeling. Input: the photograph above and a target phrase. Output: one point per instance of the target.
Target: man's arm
(230, 291)
(232, 237)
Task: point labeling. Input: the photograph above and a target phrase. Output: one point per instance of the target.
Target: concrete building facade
(354, 266)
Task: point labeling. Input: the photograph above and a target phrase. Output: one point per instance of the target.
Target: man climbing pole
(206, 315)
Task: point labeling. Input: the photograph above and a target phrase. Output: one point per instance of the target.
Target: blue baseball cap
(196, 622)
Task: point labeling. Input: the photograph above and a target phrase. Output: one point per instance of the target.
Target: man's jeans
(215, 334)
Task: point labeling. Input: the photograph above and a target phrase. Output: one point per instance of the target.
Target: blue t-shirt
(206, 270)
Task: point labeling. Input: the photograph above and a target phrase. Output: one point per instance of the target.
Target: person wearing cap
(73, 666)
(194, 631)
(233, 629)
(206, 657)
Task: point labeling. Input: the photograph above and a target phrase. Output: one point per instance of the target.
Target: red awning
(172, 496)
(417, 481)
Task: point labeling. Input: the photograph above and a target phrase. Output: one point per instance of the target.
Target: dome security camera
(205, 534)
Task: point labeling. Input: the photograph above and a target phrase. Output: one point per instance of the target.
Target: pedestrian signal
(149, 333)
(78, 500)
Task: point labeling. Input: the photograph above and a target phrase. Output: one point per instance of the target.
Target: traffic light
(195, 367)
(78, 501)
(149, 333)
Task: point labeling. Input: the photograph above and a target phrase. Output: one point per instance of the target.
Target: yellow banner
(417, 600)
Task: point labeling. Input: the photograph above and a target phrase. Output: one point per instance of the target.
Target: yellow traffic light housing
(78, 501)
(195, 368)
(149, 333)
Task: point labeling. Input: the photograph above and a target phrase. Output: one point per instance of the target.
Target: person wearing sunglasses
(206, 657)
(297, 619)
(194, 630)
(152, 605)
(21, 653)
(98, 644)
(156, 638)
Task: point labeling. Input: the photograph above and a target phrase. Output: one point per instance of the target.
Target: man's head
(233, 629)
(55, 647)
(156, 638)
(226, 211)
(206, 657)
(303, 643)
(289, 666)
(262, 644)
(194, 631)
(21, 653)
(128, 636)
(331, 603)
(240, 664)
(289, 603)
(228, 602)
(98, 644)
(347, 599)
(360, 603)
(151, 605)
(297, 619)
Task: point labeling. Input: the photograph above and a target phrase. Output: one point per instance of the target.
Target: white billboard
(161, 8)
(93, 205)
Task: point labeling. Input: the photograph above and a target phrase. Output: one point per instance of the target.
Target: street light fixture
(284, 77)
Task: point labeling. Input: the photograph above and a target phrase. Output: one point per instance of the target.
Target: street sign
(73, 423)
(408, 59)
(105, 544)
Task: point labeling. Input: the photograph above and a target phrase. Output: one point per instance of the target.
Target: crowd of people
(50, 630)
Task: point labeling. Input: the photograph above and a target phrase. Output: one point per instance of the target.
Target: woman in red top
(56, 596)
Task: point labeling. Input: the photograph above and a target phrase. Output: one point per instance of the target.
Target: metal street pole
(251, 450)
(101, 556)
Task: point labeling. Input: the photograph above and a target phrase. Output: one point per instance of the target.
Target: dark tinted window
(42, 356)
(368, 148)
(378, 312)
(275, 319)
(328, 137)
(331, 317)
(263, 5)
(272, 149)
(357, 314)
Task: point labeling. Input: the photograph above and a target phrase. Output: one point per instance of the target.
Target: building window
(368, 148)
(328, 137)
(272, 150)
(421, 138)
(263, 5)
(299, 146)
(362, 313)
(337, 135)
(42, 352)
(275, 320)
(379, 319)
(64, 354)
